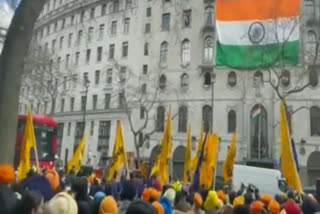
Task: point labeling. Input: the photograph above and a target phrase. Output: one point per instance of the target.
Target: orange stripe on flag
(240, 10)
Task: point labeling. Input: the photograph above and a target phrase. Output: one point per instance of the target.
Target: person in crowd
(62, 203)
(98, 197)
(256, 207)
(180, 203)
(226, 209)
(167, 200)
(140, 207)
(158, 207)
(291, 207)
(80, 190)
(197, 203)
(31, 203)
(54, 179)
(274, 207)
(108, 206)
(127, 195)
(8, 199)
(242, 209)
(212, 202)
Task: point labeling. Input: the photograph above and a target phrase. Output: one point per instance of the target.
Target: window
(63, 23)
(309, 8)
(109, 76)
(70, 40)
(128, 4)
(186, 18)
(82, 14)
(146, 49)
(90, 34)
(104, 135)
(149, 11)
(97, 77)
(184, 80)
(74, 80)
(206, 117)
(123, 71)
(121, 100)
(101, 31)
(92, 10)
(53, 45)
(285, 78)
(88, 53)
(79, 131)
(72, 20)
(183, 119)
(144, 88)
(94, 102)
(125, 47)
(162, 82)
(65, 82)
(311, 46)
(113, 28)
(315, 121)
(258, 78)
(126, 28)
(160, 119)
(232, 121)
(148, 28)
(91, 128)
(116, 6)
(69, 129)
(55, 28)
(77, 58)
(61, 42)
(207, 78)
(145, 69)
(72, 104)
(103, 9)
(48, 30)
(58, 62)
(111, 51)
(83, 102)
(185, 52)
(107, 101)
(99, 54)
(313, 77)
(208, 50)
(46, 47)
(67, 60)
(85, 78)
(62, 105)
(79, 37)
(142, 112)
(163, 52)
(165, 22)
(232, 79)
(209, 16)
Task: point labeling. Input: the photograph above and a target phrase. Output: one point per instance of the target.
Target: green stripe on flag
(256, 56)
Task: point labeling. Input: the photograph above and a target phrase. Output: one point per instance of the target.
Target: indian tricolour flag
(256, 114)
(257, 33)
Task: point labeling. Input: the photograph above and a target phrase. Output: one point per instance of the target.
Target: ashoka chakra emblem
(256, 32)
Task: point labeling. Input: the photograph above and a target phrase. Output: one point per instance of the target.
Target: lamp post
(86, 84)
(213, 81)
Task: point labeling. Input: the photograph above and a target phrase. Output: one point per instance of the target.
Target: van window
(282, 185)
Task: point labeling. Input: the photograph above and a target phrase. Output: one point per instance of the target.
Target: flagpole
(260, 120)
(36, 155)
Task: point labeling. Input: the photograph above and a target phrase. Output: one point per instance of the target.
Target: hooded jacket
(166, 204)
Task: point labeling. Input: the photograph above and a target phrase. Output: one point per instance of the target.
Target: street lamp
(86, 84)
(213, 81)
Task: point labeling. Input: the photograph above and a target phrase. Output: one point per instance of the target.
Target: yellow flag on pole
(199, 147)
(288, 164)
(119, 156)
(227, 168)
(28, 142)
(187, 158)
(76, 161)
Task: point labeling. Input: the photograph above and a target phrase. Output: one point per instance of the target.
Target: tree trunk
(137, 151)
(53, 106)
(11, 64)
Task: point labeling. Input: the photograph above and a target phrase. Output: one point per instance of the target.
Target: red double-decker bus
(45, 129)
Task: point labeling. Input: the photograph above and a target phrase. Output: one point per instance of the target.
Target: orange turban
(256, 207)
(221, 195)
(6, 174)
(158, 207)
(238, 201)
(145, 194)
(153, 193)
(197, 199)
(53, 178)
(266, 199)
(274, 207)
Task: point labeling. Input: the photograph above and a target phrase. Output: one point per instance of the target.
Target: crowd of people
(51, 192)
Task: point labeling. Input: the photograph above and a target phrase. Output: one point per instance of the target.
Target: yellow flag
(288, 165)
(187, 158)
(210, 161)
(199, 147)
(119, 156)
(227, 168)
(76, 160)
(28, 142)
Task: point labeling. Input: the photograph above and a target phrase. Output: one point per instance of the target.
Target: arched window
(232, 79)
(144, 88)
(146, 49)
(162, 82)
(258, 78)
(184, 80)
(207, 79)
(232, 121)
(285, 78)
(208, 50)
(315, 121)
(209, 16)
(160, 119)
(185, 52)
(183, 119)
(164, 52)
(313, 77)
(206, 117)
(309, 8)
(311, 45)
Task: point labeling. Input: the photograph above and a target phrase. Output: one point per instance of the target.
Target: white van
(268, 181)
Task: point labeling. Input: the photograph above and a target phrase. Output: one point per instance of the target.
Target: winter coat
(123, 206)
(8, 200)
(166, 204)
